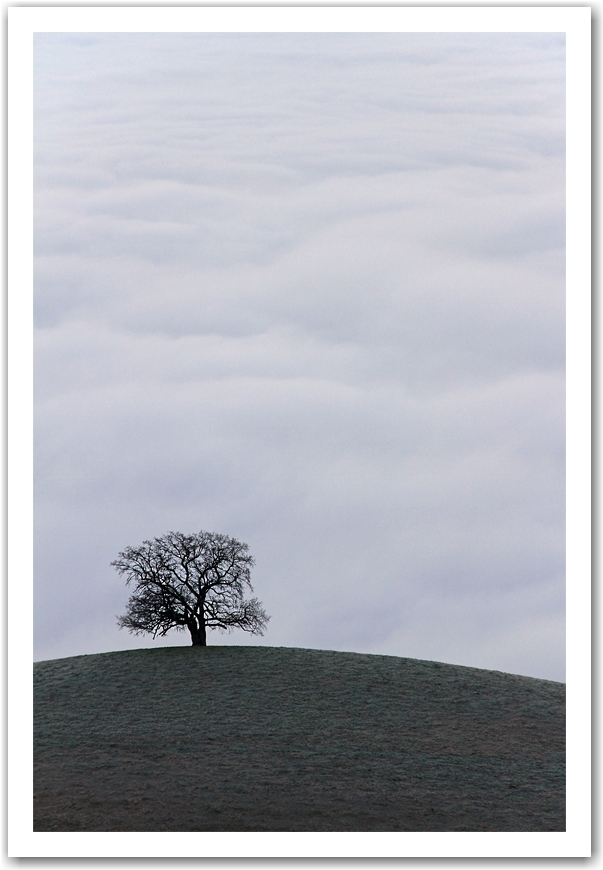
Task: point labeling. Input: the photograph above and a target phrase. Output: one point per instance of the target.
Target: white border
(23, 22)
(275, 19)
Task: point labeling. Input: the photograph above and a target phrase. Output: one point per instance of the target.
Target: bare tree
(189, 581)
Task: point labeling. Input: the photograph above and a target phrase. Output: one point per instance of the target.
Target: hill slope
(275, 739)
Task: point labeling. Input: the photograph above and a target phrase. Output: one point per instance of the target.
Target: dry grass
(276, 739)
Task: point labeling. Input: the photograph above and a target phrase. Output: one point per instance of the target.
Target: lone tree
(189, 581)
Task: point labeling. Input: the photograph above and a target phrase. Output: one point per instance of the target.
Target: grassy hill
(275, 739)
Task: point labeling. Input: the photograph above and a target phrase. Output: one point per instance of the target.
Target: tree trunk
(198, 634)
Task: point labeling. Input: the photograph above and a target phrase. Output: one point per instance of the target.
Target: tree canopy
(192, 582)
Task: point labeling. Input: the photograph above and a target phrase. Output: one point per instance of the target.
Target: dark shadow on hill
(276, 739)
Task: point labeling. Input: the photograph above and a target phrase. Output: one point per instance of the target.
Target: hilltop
(275, 739)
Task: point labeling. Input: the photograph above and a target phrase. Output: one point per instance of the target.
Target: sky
(306, 290)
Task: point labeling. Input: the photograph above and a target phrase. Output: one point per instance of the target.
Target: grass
(276, 739)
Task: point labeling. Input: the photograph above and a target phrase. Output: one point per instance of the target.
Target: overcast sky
(306, 290)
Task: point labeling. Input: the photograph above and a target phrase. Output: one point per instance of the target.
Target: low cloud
(323, 313)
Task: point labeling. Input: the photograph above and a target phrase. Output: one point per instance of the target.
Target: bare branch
(189, 581)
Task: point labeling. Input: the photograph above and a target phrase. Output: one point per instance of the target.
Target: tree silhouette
(189, 581)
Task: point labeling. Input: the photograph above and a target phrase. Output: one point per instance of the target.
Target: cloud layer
(306, 290)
